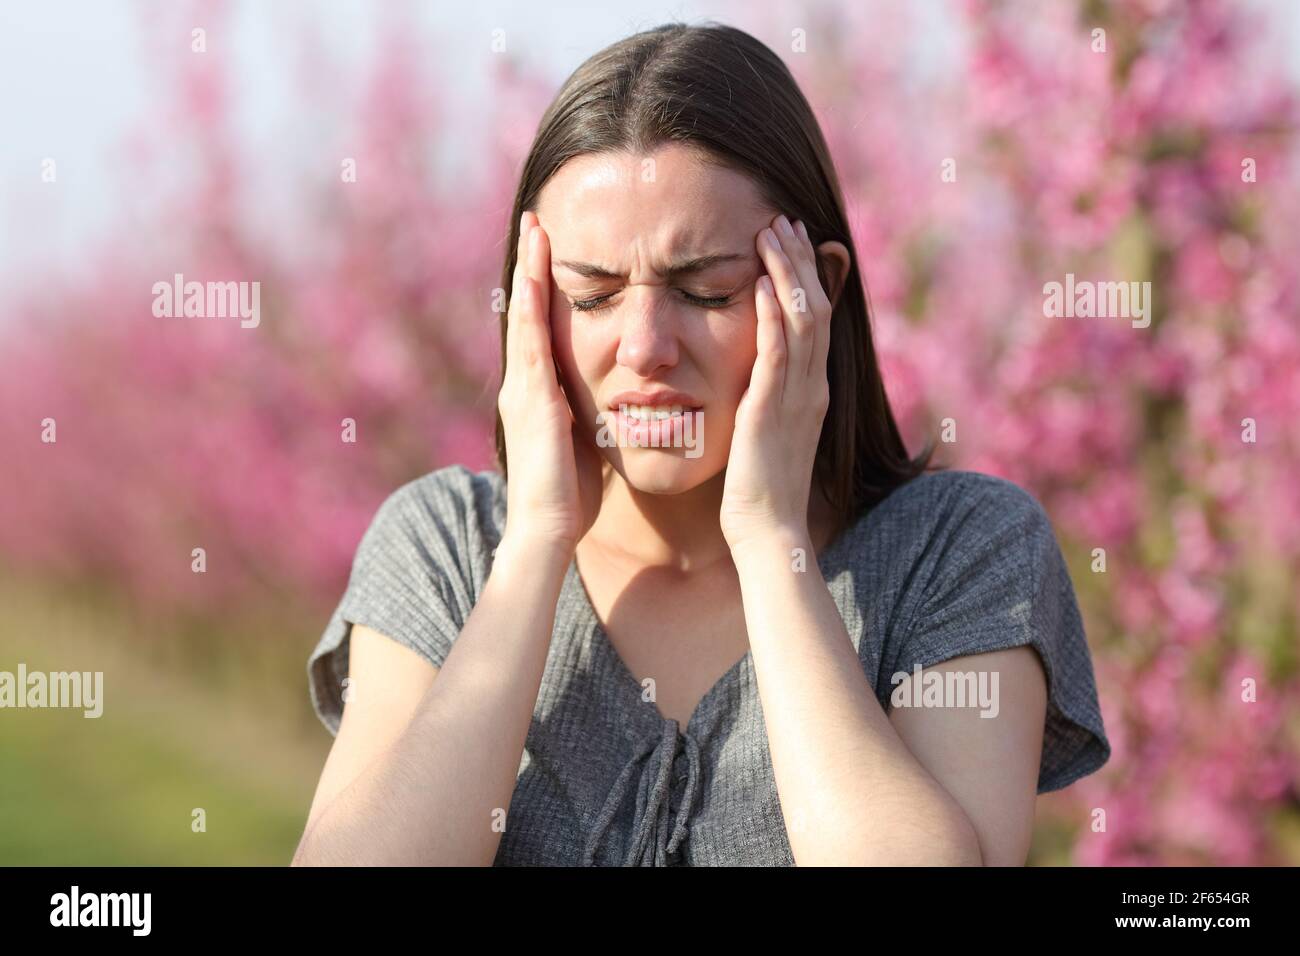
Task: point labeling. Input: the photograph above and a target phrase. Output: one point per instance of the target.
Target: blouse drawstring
(652, 843)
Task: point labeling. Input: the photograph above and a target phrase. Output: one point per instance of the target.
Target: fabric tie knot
(659, 827)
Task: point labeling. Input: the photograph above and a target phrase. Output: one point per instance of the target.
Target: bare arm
(932, 786)
(989, 765)
(421, 767)
(851, 790)
(423, 770)
(927, 786)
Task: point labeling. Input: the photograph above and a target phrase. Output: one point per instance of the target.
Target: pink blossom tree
(1164, 152)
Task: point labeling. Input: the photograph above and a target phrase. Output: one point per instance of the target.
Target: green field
(236, 739)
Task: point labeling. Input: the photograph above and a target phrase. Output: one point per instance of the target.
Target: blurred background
(985, 149)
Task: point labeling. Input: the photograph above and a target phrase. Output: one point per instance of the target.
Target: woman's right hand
(554, 486)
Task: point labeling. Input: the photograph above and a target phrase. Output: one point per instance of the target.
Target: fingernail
(770, 238)
(533, 238)
(785, 226)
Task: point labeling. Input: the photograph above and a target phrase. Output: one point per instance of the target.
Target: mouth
(653, 406)
(657, 420)
(651, 413)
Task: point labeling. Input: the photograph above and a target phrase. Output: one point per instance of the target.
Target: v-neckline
(601, 641)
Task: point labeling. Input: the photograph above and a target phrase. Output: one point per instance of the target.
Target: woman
(723, 620)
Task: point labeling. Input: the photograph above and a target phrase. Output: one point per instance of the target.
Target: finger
(539, 272)
(516, 304)
(803, 304)
(819, 305)
(529, 346)
(767, 381)
(539, 263)
(534, 325)
(521, 257)
(796, 324)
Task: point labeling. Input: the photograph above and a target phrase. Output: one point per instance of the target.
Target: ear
(834, 259)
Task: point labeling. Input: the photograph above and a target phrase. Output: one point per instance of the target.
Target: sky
(75, 76)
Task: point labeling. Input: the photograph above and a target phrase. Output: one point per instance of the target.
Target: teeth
(646, 412)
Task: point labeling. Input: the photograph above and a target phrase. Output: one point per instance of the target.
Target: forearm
(439, 795)
(850, 790)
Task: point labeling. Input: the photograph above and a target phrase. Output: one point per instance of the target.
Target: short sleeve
(997, 579)
(415, 578)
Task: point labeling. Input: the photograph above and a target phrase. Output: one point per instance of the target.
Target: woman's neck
(679, 531)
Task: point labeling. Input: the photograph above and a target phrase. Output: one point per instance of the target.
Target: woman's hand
(553, 492)
(779, 420)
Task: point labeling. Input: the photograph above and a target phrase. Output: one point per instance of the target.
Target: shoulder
(448, 497)
(427, 553)
(944, 495)
(952, 538)
(450, 519)
(973, 562)
(417, 573)
(940, 511)
(982, 571)
(452, 486)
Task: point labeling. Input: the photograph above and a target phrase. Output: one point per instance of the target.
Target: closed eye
(598, 303)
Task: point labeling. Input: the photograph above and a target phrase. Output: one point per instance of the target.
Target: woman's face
(618, 224)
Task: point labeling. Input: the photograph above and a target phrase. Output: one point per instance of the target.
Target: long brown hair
(716, 88)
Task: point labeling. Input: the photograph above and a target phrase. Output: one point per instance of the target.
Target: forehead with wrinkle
(619, 211)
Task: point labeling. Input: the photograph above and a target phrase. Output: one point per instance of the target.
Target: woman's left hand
(779, 420)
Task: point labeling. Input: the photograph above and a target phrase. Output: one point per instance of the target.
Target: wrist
(784, 543)
(532, 551)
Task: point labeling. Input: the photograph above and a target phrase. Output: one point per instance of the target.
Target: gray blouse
(951, 563)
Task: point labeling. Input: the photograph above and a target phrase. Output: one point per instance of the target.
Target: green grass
(120, 789)
(116, 791)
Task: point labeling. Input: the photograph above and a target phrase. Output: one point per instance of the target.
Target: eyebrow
(674, 271)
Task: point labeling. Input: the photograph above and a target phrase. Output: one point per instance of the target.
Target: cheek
(730, 352)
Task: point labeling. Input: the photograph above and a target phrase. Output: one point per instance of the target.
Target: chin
(662, 471)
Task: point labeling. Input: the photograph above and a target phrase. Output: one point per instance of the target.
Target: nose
(648, 337)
